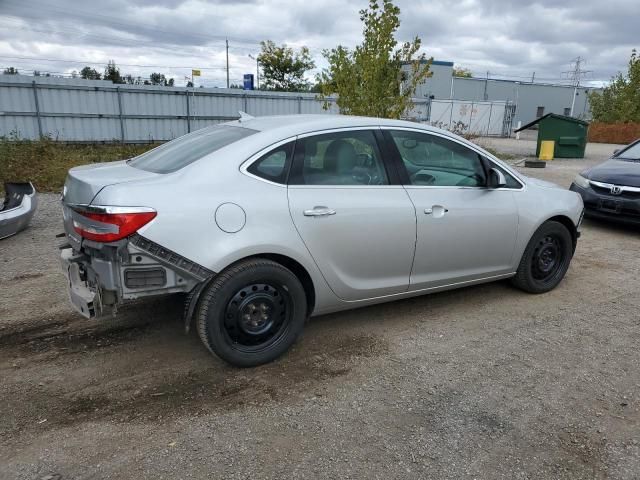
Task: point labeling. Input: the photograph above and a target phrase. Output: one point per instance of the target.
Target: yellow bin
(546, 149)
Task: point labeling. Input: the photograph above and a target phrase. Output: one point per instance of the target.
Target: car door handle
(319, 212)
(436, 210)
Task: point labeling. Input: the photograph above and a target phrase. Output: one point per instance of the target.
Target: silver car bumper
(18, 208)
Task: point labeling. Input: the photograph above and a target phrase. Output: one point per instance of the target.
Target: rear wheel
(546, 259)
(252, 312)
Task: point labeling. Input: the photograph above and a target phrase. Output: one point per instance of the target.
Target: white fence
(476, 118)
(76, 110)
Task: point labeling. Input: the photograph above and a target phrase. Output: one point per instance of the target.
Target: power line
(127, 42)
(116, 21)
(90, 62)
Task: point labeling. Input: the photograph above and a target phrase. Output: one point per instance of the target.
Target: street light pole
(257, 71)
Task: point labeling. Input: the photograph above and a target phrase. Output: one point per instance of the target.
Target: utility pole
(257, 70)
(227, 44)
(486, 81)
(575, 75)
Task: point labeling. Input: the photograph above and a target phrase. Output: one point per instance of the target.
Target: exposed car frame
(20, 203)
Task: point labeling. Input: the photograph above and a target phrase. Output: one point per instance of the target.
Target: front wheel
(546, 259)
(252, 312)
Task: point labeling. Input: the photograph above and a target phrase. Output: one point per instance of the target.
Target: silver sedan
(264, 222)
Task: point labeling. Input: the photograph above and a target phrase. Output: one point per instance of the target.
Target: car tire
(546, 259)
(252, 312)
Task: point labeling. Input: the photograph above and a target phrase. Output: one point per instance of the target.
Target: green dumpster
(570, 134)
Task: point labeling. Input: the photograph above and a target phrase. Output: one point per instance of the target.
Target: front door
(465, 231)
(358, 226)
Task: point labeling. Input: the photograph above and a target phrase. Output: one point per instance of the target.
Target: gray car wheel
(252, 312)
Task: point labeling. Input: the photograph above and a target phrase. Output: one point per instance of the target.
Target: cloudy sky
(510, 39)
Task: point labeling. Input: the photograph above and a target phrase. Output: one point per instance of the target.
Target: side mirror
(496, 179)
(616, 152)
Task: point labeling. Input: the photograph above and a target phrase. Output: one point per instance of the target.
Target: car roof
(299, 124)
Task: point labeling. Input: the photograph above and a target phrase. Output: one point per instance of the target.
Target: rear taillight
(108, 224)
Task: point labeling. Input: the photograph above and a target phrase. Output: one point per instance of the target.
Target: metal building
(532, 100)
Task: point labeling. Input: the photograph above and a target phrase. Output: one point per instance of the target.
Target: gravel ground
(483, 382)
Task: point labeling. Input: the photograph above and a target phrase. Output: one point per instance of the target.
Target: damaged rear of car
(18, 207)
(107, 259)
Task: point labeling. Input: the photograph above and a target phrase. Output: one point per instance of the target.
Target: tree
(376, 78)
(160, 79)
(461, 72)
(89, 73)
(283, 69)
(619, 102)
(10, 71)
(157, 79)
(112, 72)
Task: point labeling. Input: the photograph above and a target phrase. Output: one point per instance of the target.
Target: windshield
(631, 153)
(184, 150)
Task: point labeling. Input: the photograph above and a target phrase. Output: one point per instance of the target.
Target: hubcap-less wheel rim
(257, 316)
(547, 258)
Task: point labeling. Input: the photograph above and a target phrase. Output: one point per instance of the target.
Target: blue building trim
(442, 63)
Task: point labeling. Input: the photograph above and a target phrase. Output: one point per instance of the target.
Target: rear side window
(342, 158)
(182, 151)
(274, 165)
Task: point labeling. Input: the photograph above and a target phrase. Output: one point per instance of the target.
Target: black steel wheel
(546, 259)
(256, 316)
(252, 312)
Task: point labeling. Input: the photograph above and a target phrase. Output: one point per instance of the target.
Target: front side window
(182, 151)
(343, 158)
(274, 165)
(435, 161)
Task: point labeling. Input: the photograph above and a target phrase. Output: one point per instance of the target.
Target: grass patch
(45, 163)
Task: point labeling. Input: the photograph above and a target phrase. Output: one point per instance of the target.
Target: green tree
(377, 78)
(461, 72)
(10, 71)
(160, 79)
(112, 72)
(89, 73)
(283, 69)
(619, 102)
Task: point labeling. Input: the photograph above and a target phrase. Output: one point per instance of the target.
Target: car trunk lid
(83, 183)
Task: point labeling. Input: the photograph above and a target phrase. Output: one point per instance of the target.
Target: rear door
(353, 215)
(465, 231)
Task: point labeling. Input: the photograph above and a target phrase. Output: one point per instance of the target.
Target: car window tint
(436, 161)
(182, 151)
(273, 165)
(344, 158)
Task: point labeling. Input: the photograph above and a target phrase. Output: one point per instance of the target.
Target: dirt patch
(587, 449)
(24, 276)
(202, 389)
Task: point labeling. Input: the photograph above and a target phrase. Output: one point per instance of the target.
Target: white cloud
(504, 37)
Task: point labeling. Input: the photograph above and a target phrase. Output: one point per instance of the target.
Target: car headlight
(581, 181)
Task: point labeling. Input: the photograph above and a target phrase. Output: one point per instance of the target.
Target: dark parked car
(611, 190)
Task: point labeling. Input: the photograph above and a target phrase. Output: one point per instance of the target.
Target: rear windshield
(182, 151)
(631, 153)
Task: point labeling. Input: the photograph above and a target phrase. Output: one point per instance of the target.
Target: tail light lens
(108, 224)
